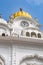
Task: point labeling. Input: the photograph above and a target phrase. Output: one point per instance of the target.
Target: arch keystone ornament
(32, 60)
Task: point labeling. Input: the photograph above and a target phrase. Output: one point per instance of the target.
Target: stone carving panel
(32, 60)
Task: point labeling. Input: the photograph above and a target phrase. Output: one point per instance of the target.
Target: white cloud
(36, 2)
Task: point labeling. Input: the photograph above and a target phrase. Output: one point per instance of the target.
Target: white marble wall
(23, 51)
(5, 53)
(14, 53)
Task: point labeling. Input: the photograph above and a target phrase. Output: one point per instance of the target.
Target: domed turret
(21, 13)
(2, 21)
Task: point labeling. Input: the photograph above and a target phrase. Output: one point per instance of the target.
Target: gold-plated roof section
(22, 13)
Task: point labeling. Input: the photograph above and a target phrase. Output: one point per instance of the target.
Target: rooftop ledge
(29, 40)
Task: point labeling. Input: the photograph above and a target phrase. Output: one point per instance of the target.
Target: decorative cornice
(11, 39)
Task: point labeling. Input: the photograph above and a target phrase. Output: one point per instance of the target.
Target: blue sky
(34, 7)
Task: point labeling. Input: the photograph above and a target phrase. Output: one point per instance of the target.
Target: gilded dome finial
(0, 15)
(20, 9)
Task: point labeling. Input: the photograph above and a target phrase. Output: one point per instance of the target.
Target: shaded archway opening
(33, 34)
(28, 34)
(3, 34)
(39, 35)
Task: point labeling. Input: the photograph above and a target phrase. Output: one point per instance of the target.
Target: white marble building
(21, 40)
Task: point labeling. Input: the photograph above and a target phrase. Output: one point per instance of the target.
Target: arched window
(39, 35)
(33, 34)
(3, 34)
(27, 34)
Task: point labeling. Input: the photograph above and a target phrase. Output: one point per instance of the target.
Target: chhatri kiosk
(21, 40)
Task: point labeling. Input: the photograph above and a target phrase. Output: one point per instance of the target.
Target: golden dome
(22, 13)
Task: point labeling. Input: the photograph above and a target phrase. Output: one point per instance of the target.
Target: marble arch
(32, 60)
(2, 60)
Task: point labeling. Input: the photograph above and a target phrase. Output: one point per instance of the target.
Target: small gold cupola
(21, 13)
